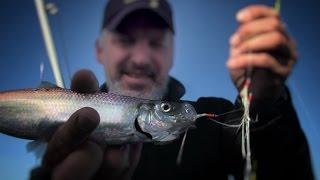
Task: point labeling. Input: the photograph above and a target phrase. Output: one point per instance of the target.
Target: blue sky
(202, 32)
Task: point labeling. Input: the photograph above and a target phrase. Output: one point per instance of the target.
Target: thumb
(84, 81)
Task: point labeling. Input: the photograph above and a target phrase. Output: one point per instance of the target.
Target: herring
(35, 113)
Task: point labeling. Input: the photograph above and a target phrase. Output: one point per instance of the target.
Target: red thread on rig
(211, 115)
(247, 82)
(250, 97)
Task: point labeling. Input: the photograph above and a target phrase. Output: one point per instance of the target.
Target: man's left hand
(261, 41)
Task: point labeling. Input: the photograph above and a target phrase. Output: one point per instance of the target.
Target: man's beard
(156, 92)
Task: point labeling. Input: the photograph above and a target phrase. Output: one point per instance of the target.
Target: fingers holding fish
(84, 81)
(120, 160)
(115, 160)
(82, 163)
(134, 154)
(70, 135)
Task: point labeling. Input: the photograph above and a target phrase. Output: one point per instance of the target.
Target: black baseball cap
(116, 11)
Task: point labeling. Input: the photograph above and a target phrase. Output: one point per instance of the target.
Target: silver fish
(33, 113)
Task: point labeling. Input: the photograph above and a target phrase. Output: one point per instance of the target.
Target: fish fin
(38, 147)
(161, 143)
(167, 139)
(47, 84)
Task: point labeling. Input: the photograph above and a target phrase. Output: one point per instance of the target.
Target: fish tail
(12, 124)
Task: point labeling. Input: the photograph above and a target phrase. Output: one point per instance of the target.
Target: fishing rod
(49, 43)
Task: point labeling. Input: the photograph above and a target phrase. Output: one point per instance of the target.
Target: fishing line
(211, 117)
(214, 117)
(229, 112)
(246, 98)
(181, 148)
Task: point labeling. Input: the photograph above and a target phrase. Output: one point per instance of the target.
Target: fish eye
(165, 107)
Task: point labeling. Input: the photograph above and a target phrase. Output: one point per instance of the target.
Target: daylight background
(203, 28)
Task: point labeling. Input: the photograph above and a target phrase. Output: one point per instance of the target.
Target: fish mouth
(139, 129)
(189, 113)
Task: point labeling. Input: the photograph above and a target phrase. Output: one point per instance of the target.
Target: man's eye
(126, 41)
(156, 44)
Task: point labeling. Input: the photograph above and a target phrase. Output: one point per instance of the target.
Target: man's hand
(71, 154)
(261, 42)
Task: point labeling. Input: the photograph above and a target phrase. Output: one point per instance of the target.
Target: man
(136, 50)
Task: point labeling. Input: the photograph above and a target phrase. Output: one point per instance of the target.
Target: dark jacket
(212, 151)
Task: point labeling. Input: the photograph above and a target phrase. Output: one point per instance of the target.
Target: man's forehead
(143, 33)
(142, 20)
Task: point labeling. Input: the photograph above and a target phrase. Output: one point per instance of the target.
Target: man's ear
(98, 50)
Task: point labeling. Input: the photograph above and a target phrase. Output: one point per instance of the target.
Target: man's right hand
(71, 154)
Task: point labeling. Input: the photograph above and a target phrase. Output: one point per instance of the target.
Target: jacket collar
(175, 90)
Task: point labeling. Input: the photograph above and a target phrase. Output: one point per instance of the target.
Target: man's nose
(141, 52)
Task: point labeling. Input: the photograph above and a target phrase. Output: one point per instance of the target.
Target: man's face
(136, 58)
